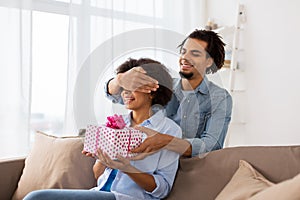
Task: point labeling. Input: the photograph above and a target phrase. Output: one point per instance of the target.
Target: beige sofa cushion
(245, 183)
(286, 190)
(55, 162)
(205, 176)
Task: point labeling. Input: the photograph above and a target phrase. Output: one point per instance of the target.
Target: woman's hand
(121, 164)
(144, 180)
(88, 154)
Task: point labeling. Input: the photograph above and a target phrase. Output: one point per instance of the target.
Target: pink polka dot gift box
(113, 138)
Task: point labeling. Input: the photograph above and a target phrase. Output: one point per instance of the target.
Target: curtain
(57, 54)
(15, 78)
(106, 33)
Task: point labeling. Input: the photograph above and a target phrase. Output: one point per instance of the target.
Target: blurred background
(57, 54)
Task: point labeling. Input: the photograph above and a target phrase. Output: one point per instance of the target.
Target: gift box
(111, 140)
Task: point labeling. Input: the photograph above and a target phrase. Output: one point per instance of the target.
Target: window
(49, 71)
(49, 56)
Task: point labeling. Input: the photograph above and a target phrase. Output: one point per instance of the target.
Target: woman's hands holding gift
(121, 163)
(88, 154)
(144, 180)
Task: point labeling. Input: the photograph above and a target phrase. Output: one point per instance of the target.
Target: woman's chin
(129, 107)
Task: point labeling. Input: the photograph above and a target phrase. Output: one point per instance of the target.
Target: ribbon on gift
(129, 141)
(115, 121)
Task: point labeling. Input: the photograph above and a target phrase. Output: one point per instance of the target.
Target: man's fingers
(143, 148)
(144, 80)
(144, 75)
(139, 149)
(139, 69)
(147, 88)
(147, 79)
(139, 84)
(136, 79)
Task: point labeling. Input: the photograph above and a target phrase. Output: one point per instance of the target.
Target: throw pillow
(56, 162)
(245, 183)
(286, 190)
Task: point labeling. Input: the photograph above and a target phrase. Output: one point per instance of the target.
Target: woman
(150, 178)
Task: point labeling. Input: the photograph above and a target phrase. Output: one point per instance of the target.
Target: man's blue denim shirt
(203, 114)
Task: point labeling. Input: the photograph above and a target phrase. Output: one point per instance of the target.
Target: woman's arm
(144, 180)
(98, 169)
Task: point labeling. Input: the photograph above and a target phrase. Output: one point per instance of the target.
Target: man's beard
(186, 75)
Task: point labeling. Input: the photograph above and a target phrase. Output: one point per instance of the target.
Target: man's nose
(185, 57)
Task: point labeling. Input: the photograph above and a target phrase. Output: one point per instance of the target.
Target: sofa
(202, 177)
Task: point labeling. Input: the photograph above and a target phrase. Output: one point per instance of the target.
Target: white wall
(271, 41)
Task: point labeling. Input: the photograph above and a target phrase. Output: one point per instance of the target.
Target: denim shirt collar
(201, 88)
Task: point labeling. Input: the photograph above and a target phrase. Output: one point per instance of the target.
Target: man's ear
(209, 62)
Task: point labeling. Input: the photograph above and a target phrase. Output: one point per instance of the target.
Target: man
(201, 108)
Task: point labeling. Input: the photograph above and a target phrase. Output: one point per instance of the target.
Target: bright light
(49, 70)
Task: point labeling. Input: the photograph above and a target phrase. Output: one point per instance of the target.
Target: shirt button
(184, 116)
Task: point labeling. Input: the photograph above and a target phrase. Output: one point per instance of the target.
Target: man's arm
(156, 141)
(113, 86)
(215, 132)
(216, 127)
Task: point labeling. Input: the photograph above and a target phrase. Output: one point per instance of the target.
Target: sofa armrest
(10, 173)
